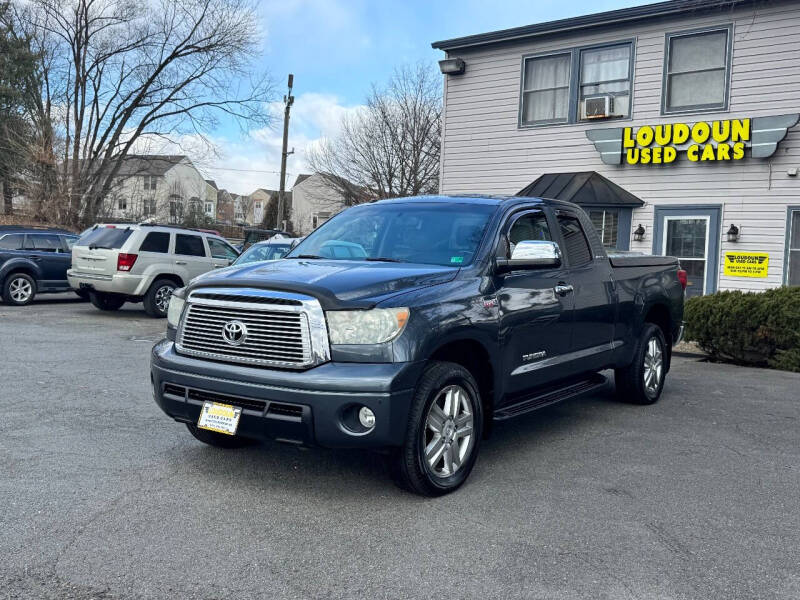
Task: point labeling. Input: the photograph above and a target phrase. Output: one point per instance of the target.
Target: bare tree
(391, 148)
(116, 73)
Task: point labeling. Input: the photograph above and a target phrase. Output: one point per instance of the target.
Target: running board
(551, 396)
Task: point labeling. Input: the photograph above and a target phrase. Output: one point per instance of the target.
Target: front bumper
(306, 407)
(119, 283)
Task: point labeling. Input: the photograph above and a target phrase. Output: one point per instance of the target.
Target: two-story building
(166, 188)
(673, 124)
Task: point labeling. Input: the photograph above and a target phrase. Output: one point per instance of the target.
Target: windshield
(263, 252)
(444, 234)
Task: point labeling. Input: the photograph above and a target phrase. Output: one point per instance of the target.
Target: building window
(606, 222)
(697, 70)
(123, 204)
(318, 219)
(555, 86)
(606, 72)
(209, 208)
(150, 182)
(545, 89)
(793, 255)
(149, 207)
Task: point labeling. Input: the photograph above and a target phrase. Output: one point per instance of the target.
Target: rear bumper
(119, 283)
(309, 407)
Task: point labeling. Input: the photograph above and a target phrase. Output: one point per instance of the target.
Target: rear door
(191, 258)
(153, 254)
(46, 250)
(97, 251)
(594, 295)
(535, 321)
(222, 253)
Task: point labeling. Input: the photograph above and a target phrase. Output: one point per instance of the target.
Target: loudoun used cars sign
(704, 141)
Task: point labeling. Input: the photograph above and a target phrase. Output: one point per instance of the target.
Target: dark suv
(33, 261)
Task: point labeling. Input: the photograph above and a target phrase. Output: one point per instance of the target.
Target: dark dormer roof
(585, 188)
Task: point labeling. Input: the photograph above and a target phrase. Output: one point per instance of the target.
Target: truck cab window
(529, 227)
(576, 246)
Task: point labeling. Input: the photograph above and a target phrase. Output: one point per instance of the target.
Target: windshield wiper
(96, 247)
(382, 259)
(310, 256)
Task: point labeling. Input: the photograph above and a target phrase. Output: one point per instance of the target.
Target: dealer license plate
(222, 418)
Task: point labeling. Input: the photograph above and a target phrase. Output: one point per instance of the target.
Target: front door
(191, 258)
(691, 234)
(535, 321)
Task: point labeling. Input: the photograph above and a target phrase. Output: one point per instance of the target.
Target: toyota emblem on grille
(234, 333)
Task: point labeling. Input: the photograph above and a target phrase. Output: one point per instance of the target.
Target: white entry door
(686, 237)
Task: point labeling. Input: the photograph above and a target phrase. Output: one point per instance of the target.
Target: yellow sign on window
(746, 264)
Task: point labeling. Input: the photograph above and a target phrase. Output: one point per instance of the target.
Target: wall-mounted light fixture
(638, 234)
(452, 66)
(733, 233)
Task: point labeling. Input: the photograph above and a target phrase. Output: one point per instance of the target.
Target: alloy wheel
(163, 294)
(449, 431)
(653, 366)
(20, 290)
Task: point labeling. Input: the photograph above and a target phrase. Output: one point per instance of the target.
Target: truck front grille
(241, 328)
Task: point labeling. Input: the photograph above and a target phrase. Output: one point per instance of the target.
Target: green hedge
(760, 329)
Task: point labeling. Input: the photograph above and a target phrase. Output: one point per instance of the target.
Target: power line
(246, 170)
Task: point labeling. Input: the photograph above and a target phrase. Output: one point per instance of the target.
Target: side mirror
(531, 254)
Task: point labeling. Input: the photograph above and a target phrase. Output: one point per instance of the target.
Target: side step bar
(551, 396)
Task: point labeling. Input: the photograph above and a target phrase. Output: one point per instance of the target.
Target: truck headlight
(175, 309)
(366, 326)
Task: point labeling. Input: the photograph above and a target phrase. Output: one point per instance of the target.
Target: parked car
(272, 249)
(461, 312)
(253, 235)
(33, 261)
(143, 263)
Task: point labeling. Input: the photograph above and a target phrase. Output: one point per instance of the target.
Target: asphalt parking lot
(104, 497)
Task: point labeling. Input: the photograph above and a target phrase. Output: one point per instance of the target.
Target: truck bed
(630, 259)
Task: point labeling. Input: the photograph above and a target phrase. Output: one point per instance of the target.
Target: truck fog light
(366, 417)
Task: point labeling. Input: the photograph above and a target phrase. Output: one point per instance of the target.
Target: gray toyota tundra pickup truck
(411, 325)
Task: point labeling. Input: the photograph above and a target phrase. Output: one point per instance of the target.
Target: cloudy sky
(336, 49)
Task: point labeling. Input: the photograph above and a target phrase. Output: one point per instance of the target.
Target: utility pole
(288, 100)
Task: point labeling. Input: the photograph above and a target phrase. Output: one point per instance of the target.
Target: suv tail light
(125, 261)
(683, 278)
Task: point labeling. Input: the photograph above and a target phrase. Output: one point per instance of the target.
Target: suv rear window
(11, 242)
(189, 245)
(111, 238)
(156, 241)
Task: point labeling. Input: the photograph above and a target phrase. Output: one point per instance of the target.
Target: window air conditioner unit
(599, 107)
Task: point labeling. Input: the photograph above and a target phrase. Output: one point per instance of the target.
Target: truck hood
(337, 284)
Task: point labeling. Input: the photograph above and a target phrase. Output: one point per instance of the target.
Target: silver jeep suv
(115, 264)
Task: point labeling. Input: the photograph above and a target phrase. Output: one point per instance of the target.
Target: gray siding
(484, 151)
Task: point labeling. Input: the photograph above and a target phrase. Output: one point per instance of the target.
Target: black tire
(19, 289)
(218, 440)
(82, 294)
(411, 468)
(106, 302)
(153, 299)
(630, 380)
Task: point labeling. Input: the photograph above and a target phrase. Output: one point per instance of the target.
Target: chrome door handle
(563, 289)
(180, 262)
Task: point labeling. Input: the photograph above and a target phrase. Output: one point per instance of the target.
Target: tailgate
(98, 261)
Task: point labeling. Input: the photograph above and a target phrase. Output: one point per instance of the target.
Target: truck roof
(476, 199)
